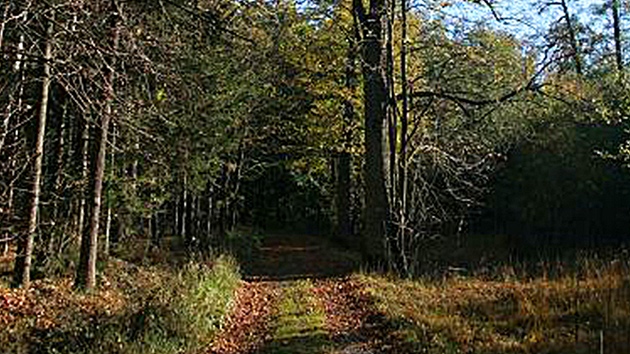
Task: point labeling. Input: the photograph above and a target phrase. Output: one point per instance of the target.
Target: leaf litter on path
(248, 324)
(298, 301)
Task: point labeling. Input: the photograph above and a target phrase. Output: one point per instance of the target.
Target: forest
(321, 176)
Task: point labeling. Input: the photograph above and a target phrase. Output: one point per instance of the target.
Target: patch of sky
(527, 20)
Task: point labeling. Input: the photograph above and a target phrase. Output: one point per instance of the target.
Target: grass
(300, 322)
(136, 309)
(571, 312)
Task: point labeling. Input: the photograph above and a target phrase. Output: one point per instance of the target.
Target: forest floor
(302, 295)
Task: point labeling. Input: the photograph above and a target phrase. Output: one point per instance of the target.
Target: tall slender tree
(403, 162)
(86, 272)
(617, 34)
(573, 40)
(22, 274)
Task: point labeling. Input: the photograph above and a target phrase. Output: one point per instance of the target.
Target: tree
(377, 209)
(617, 34)
(86, 272)
(23, 260)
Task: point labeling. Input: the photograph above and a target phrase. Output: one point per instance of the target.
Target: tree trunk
(199, 218)
(85, 151)
(344, 160)
(210, 211)
(184, 207)
(617, 34)
(58, 183)
(176, 218)
(155, 229)
(193, 219)
(404, 131)
(22, 276)
(108, 222)
(376, 213)
(4, 128)
(575, 46)
(86, 272)
(188, 219)
(5, 15)
(392, 113)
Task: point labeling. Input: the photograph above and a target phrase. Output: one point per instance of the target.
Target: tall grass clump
(135, 309)
(186, 312)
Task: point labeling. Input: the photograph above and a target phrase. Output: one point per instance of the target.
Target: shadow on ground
(294, 257)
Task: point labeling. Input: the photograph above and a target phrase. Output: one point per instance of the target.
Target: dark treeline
(179, 123)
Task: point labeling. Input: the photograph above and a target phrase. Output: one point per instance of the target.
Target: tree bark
(377, 213)
(617, 34)
(108, 222)
(184, 208)
(4, 128)
(210, 213)
(176, 218)
(392, 113)
(22, 276)
(5, 15)
(575, 46)
(58, 183)
(86, 272)
(85, 151)
(344, 160)
(404, 131)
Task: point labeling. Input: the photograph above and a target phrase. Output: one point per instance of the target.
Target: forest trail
(299, 296)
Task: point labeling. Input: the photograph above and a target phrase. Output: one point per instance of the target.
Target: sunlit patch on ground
(567, 314)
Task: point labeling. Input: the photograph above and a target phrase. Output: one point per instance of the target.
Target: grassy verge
(569, 313)
(134, 310)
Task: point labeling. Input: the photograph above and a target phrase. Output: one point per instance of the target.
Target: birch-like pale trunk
(85, 151)
(22, 276)
(404, 132)
(4, 128)
(108, 222)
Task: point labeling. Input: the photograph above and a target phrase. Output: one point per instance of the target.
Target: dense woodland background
(197, 125)
(322, 176)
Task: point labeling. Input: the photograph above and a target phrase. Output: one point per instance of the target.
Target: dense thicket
(177, 123)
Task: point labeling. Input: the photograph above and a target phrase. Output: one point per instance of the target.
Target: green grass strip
(300, 323)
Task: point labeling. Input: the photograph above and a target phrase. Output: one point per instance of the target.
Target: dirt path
(299, 296)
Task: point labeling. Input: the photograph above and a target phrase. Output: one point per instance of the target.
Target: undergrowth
(584, 310)
(134, 310)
